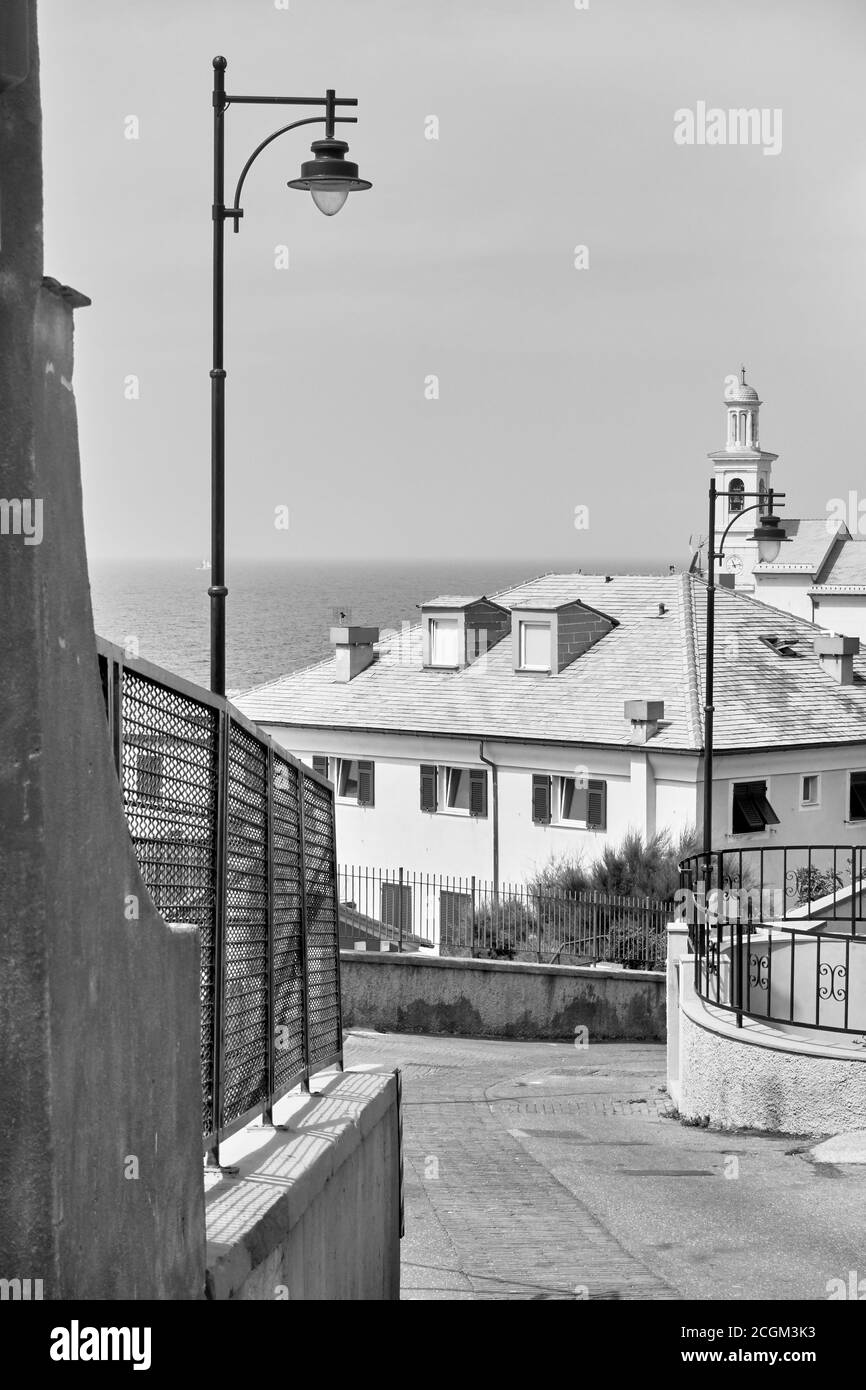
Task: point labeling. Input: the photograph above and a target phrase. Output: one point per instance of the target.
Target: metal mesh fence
(235, 837)
(169, 781)
(245, 1010)
(288, 929)
(323, 978)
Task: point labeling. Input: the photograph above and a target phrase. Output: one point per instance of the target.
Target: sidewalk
(546, 1171)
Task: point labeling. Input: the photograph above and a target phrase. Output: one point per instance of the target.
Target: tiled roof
(808, 545)
(762, 699)
(453, 601)
(848, 568)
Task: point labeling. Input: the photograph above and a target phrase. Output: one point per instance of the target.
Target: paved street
(545, 1171)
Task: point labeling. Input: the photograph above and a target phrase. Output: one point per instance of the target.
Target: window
(736, 489)
(752, 811)
(535, 646)
(857, 796)
(459, 790)
(455, 915)
(355, 781)
(149, 775)
(444, 635)
(320, 764)
(810, 790)
(583, 804)
(395, 905)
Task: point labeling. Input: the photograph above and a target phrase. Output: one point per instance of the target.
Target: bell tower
(742, 466)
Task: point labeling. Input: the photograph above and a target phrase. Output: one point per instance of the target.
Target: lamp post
(329, 177)
(769, 537)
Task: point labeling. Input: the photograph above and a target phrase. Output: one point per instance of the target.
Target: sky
(559, 387)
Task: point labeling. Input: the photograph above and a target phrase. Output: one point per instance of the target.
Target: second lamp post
(330, 178)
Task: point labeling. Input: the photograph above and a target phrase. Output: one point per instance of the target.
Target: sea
(278, 613)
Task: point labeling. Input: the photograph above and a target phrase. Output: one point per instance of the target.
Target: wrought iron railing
(235, 836)
(779, 934)
(471, 916)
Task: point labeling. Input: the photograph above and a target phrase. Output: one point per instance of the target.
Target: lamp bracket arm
(721, 550)
(235, 210)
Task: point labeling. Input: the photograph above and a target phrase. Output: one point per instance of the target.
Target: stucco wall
(757, 1078)
(499, 999)
(313, 1213)
(100, 1142)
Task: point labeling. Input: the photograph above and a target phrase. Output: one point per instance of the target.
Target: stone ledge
(281, 1174)
(514, 967)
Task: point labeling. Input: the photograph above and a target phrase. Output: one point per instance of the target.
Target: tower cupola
(742, 405)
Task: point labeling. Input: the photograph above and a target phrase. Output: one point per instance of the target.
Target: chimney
(836, 655)
(354, 650)
(645, 716)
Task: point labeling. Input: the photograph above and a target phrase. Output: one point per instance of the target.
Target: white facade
(646, 790)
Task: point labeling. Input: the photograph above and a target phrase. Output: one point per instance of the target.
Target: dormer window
(457, 630)
(534, 646)
(444, 642)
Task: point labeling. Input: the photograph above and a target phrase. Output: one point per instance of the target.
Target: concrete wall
(499, 999)
(100, 1142)
(757, 1077)
(313, 1213)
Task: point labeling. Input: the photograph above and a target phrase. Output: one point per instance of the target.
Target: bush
(635, 868)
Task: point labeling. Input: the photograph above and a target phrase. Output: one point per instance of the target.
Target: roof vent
(836, 655)
(645, 716)
(355, 650)
(782, 646)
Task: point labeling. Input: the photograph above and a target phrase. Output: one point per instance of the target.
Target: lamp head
(770, 537)
(329, 176)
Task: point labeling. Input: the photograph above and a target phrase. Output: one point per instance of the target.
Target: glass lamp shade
(329, 200)
(769, 537)
(769, 550)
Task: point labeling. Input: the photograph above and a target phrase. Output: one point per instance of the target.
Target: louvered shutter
(320, 764)
(366, 784)
(477, 792)
(428, 788)
(541, 800)
(596, 805)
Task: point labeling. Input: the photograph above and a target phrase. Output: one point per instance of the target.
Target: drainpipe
(495, 780)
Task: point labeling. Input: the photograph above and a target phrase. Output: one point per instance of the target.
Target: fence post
(472, 923)
(268, 1116)
(219, 861)
(400, 912)
(540, 926)
(305, 963)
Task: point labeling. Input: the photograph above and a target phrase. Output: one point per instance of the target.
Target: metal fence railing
(779, 934)
(473, 917)
(235, 836)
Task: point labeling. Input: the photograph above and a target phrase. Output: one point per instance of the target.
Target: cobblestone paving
(544, 1171)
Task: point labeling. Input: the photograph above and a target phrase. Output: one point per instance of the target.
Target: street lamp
(330, 178)
(769, 536)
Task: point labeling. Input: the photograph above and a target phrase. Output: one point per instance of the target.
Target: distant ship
(205, 565)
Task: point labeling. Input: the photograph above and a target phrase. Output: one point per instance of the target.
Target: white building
(820, 573)
(551, 719)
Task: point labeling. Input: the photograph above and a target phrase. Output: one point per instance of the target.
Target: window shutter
(596, 805)
(320, 764)
(428, 787)
(366, 783)
(541, 800)
(477, 793)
